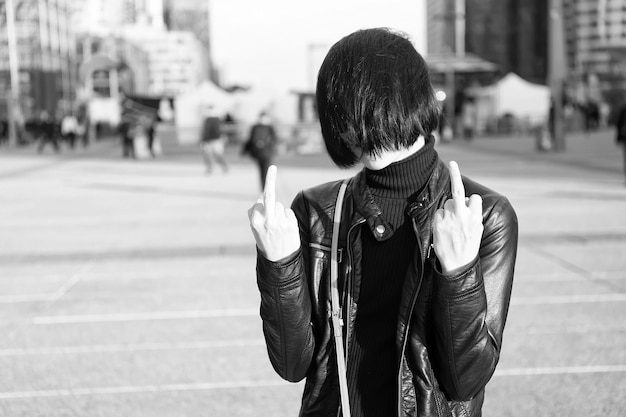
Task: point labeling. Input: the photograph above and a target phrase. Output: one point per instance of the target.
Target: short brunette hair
(373, 94)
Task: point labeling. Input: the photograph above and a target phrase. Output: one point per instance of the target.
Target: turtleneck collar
(403, 178)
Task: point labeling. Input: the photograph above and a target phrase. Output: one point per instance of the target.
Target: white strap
(337, 320)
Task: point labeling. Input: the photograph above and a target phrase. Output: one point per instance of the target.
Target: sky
(266, 43)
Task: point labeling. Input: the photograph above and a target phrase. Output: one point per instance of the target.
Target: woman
(427, 256)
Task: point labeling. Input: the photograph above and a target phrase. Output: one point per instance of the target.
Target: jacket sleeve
(470, 308)
(286, 309)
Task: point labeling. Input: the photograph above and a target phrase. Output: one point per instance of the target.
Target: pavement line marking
(139, 389)
(596, 276)
(157, 315)
(73, 280)
(178, 315)
(55, 296)
(208, 386)
(554, 330)
(561, 370)
(24, 298)
(174, 253)
(569, 299)
(30, 169)
(62, 350)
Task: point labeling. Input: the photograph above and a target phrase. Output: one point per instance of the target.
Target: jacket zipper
(347, 294)
(408, 324)
(349, 283)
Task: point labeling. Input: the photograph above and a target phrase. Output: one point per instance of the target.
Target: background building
(176, 60)
(45, 57)
(441, 29)
(105, 17)
(126, 50)
(509, 33)
(515, 36)
(595, 33)
(160, 59)
(193, 16)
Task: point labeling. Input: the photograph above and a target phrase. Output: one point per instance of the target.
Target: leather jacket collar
(366, 208)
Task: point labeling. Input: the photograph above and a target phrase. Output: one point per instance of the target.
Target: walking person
(261, 145)
(150, 127)
(212, 142)
(83, 126)
(126, 130)
(620, 137)
(411, 277)
(69, 129)
(47, 131)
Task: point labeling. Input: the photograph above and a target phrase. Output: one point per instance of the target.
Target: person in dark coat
(126, 130)
(212, 141)
(150, 131)
(48, 132)
(620, 134)
(261, 145)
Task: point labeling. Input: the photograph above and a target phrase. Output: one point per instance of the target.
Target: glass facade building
(46, 57)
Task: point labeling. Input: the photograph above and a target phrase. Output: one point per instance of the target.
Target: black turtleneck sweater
(372, 362)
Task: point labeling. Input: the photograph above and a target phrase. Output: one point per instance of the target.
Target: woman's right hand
(275, 228)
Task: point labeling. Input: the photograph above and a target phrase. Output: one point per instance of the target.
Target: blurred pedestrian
(212, 142)
(145, 132)
(415, 269)
(47, 131)
(469, 117)
(69, 129)
(620, 137)
(4, 132)
(150, 126)
(126, 130)
(82, 130)
(261, 145)
(591, 112)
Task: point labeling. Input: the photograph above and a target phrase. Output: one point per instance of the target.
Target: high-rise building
(176, 60)
(440, 30)
(106, 17)
(514, 35)
(595, 34)
(193, 16)
(510, 33)
(45, 56)
(162, 59)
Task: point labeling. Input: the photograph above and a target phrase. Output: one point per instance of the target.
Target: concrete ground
(127, 288)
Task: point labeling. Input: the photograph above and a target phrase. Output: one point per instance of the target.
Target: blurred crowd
(45, 130)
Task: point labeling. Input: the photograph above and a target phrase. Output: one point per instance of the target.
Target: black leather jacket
(449, 331)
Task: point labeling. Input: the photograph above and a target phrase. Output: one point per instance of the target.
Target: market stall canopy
(515, 96)
(467, 63)
(138, 107)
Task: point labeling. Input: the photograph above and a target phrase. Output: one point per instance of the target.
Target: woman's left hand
(458, 226)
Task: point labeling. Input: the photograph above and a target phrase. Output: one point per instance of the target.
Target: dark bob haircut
(373, 95)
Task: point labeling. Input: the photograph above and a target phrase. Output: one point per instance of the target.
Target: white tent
(189, 109)
(515, 96)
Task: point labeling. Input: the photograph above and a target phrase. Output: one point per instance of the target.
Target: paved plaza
(127, 288)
